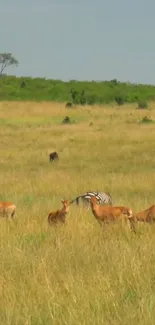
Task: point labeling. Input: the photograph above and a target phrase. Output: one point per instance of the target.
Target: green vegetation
(76, 92)
(142, 105)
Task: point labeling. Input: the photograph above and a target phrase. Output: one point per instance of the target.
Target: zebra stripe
(102, 197)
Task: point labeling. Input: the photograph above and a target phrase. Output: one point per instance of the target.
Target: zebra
(102, 197)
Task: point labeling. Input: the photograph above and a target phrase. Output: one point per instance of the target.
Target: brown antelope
(7, 209)
(107, 214)
(147, 215)
(59, 215)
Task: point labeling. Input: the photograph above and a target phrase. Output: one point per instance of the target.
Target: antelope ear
(62, 200)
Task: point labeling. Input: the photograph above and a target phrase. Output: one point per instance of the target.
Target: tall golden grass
(80, 273)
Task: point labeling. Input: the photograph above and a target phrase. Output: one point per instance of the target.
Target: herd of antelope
(104, 214)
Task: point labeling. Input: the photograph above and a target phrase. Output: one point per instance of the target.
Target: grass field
(77, 274)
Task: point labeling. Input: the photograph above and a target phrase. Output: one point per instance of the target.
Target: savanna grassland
(77, 274)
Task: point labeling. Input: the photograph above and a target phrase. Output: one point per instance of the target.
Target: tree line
(73, 92)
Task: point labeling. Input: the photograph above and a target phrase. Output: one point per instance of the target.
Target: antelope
(7, 209)
(106, 214)
(147, 215)
(59, 215)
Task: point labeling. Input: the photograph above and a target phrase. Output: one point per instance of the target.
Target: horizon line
(78, 80)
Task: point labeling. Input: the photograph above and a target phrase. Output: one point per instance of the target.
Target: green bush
(142, 105)
(120, 100)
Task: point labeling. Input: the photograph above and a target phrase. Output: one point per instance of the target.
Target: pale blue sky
(82, 40)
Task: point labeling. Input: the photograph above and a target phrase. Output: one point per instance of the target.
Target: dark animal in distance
(7, 209)
(53, 156)
(108, 214)
(59, 215)
(69, 104)
(102, 197)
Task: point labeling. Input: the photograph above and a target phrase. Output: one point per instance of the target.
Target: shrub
(142, 105)
(92, 99)
(78, 97)
(66, 120)
(23, 84)
(120, 100)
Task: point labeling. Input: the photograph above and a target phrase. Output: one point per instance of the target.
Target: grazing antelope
(7, 209)
(59, 215)
(107, 214)
(147, 215)
(102, 197)
(53, 156)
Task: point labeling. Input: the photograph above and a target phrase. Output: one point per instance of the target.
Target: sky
(80, 39)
